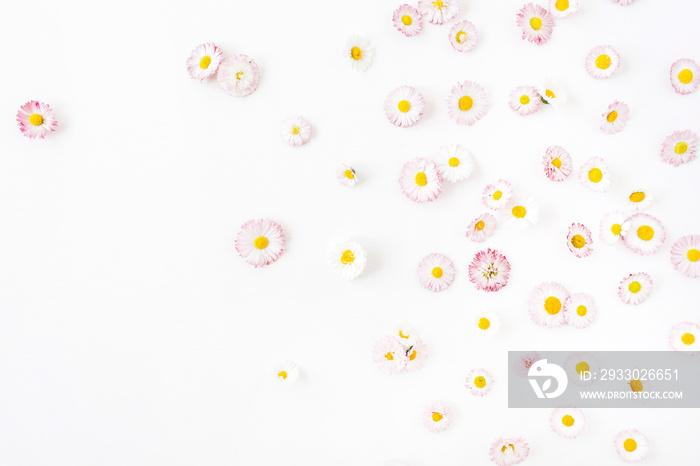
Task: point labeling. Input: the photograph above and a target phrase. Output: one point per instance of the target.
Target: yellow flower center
(413, 355)
(637, 197)
(404, 335)
(295, 130)
(282, 374)
(436, 272)
(480, 382)
(36, 119)
(204, 62)
(536, 23)
(549, 93)
(461, 37)
(505, 447)
(636, 385)
(239, 75)
(556, 162)
(389, 356)
(616, 229)
(578, 241)
(645, 232)
(484, 323)
(595, 175)
(437, 417)
(552, 305)
(524, 100)
(635, 287)
(439, 4)
(681, 147)
(562, 5)
(582, 310)
(630, 445)
(497, 195)
(349, 174)
(407, 20)
(582, 367)
(685, 76)
(453, 162)
(688, 338)
(404, 106)
(356, 53)
(347, 257)
(260, 242)
(479, 225)
(612, 116)
(693, 255)
(519, 211)
(567, 420)
(465, 103)
(603, 62)
(421, 179)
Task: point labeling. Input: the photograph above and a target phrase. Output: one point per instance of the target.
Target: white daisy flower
(508, 451)
(635, 289)
(615, 117)
(295, 131)
(521, 366)
(479, 382)
(420, 180)
(405, 334)
(567, 422)
(580, 240)
(346, 175)
(632, 446)
(646, 234)
(484, 324)
(680, 147)
(685, 76)
(408, 20)
(359, 52)
(685, 255)
(580, 368)
(546, 304)
(613, 227)
(347, 259)
(416, 355)
(602, 61)
(455, 163)
(553, 94)
(463, 36)
(640, 199)
(437, 416)
(238, 75)
(497, 195)
(686, 337)
(260, 242)
(286, 372)
(522, 211)
(563, 8)
(580, 310)
(404, 106)
(524, 100)
(436, 272)
(557, 163)
(204, 61)
(482, 227)
(467, 103)
(594, 175)
(439, 11)
(389, 355)
(536, 23)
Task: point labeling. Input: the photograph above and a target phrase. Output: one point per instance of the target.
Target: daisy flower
(36, 119)
(680, 147)
(295, 131)
(685, 255)
(286, 372)
(404, 106)
(389, 355)
(646, 234)
(260, 242)
(536, 22)
(437, 417)
(408, 20)
(467, 103)
(639, 199)
(580, 310)
(615, 117)
(497, 194)
(484, 324)
(567, 422)
(416, 354)
(580, 240)
(436, 272)
(524, 100)
(508, 451)
(455, 163)
(632, 446)
(489, 270)
(482, 227)
(346, 175)
(522, 365)
(594, 175)
(613, 227)
(420, 180)
(523, 212)
(359, 52)
(685, 337)
(563, 8)
(685, 76)
(557, 163)
(439, 11)
(602, 61)
(347, 259)
(204, 61)
(238, 75)
(546, 304)
(635, 289)
(463, 36)
(581, 364)
(479, 382)
(405, 334)
(552, 93)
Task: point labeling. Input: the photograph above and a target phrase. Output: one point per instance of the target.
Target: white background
(132, 333)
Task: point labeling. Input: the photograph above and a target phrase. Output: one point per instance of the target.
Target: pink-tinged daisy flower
(405, 334)
(286, 372)
(580, 368)
(420, 180)
(567, 422)
(359, 52)
(594, 175)
(506, 451)
(295, 131)
(463, 36)
(260, 242)
(489, 270)
(497, 194)
(482, 227)
(557, 163)
(685, 337)
(546, 304)
(613, 227)
(479, 382)
(437, 416)
(639, 199)
(238, 75)
(346, 175)
(416, 354)
(204, 61)
(615, 117)
(563, 8)
(685, 255)
(389, 355)
(624, 2)
(436, 272)
(522, 365)
(404, 106)
(467, 103)
(536, 22)
(580, 240)
(635, 289)
(602, 61)
(408, 20)
(685, 76)
(524, 100)
(523, 212)
(632, 446)
(646, 234)
(484, 324)
(347, 259)
(439, 11)
(455, 163)
(551, 93)
(580, 310)
(36, 119)
(680, 147)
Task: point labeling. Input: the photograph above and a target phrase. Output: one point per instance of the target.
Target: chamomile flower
(579, 240)
(635, 289)
(680, 147)
(416, 355)
(632, 446)
(260, 242)
(467, 103)
(404, 106)
(524, 100)
(455, 163)
(536, 23)
(567, 422)
(639, 199)
(646, 234)
(436, 272)
(685, 76)
(685, 255)
(523, 212)
(481, 227)
(594, 175)
(580, 310)
(506, 451)
(408, 20)
(563, 8)
(479, 382)
(295, 131)
(347, 259)
(552, 93)
(437, 416)
(497, 194)
(405, 334)
(359, 52)
(484, 324)
(580, 368)
(238, 75)
(602, 61)
(286, 372)
(557, 163)
(521, 366)
(439, 11)
(463, 36)
(615, 117)
(35, 119)
(613, 227)
(489, 270)
(389, 355)
(420, 180)
(346, 175)
(204, 61)
(685, 337)
(546, 304)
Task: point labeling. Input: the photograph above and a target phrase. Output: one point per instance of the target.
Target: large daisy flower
(408, 20)
(646, 234)
(546, 304)
(580, 240)
(497, 194)
(467, 102)
(359, 52)
(680, 147)
(295, 131)
(437, 417)
(536, 22)
(557, 163)
(602, 61)
(455, 163)
(439, 11)
(260, 242)
(35, 119)
(463, 36)
(552, 93)
(479, 382)
(481, 227)
(563, 8)
(489, 270)
(508, 451)
(484, 324)
(405, 334)
(238, 75)
(567, 422)
(416, 355)
(347, 259)
(523, 212)
(685, 337)
(420, 180)
(685, 255)
(580, 310)
(389, 355)
(404, 106)
(204, 61)
(436, 272)
(615, 117)
(594, 175)
(632, 446)
(635, 289)
(346, 175)
(685, 76)
(639, 199)
(524, 100)
(286, 372)
(613, 227)
(521, 366)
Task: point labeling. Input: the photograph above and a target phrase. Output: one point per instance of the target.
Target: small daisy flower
(204, 61)
(615, 117)
(479, 382)
(602, 61)
(463, 36)
(497, 194)
(455, 163)
(489, 270)
(521, 367)
(580, 365)
(359, 52)
(439, 11)
(436, 272)
(635, 289)
(238, 75)
(467, 103)
(295, 131)
(685, 337)
(417, 355)
(546, 304)
(552, 93)
(346, 175)
(646, 234)
(580, 310)
(437, 417)
(508, 451)
(594, 175)
(347, 259)
(260, 242)
(613, 227)
(286, 372)
(567, 422)
(685, 255)
(685, 76)
(639, 199)
(523, 212)
(35, 119)
(404, 106)
(405, 334)
(536, 22)
(580, 240)
(420, 180)
(484, 324)
(557, 163)
(680, 147)
(632, 446)
(524, 100)
(408, 20)
(563, 8)
(389, 355)
(482, 227)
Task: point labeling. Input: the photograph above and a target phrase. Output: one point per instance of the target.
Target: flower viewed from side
(408, 20)
(420, 180)
(635, 289)
(646, 234)
(580, 310)
(557, 163)
(506, 451)
(484, 324)
(295, 131)
(467, 103)
(536, 23)
(389, 355)
(685, 76)
(615, 117)
(602, 61)
(580, 240)
(524, 100)
(260, 242)
(204, 61)
(346, 175)
(489, 270)
(416, 355)
(463, 36)
(632, 446)
(359, 52)
(497, 194)
(482, 227)
(685, 255)
(523, 212)
(437, 417)
(567, 422)
(404, 106)
(35, 119)
(639, 199)
(436, 272)
(439, 11)
(594, 175)
(238, 75)
(347, 259)
(680, 147)
(479, 382)
(546, 304)
(552, 93)
(286, 372)
(563, 8)
(455, 163)
(685, 337)
(613, 227)
(405, 334)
